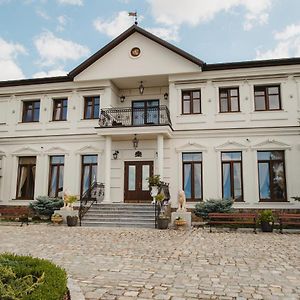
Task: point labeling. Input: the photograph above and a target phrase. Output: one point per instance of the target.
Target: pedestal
(185, 215)
(64, 212)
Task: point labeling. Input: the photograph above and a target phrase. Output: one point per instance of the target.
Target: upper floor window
(60, 107)
(267, 98)
(31, 111)
(91, 107)
(229, 100)
(191, 102)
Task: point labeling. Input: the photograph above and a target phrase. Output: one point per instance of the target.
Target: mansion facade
(140, 106)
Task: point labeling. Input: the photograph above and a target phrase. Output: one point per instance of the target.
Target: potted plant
(71, 199)
(56, 219)
(163, 219)
(266, 219)
(180, 222)
(72, 220)
(154, 183)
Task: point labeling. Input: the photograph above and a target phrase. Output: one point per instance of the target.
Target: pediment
(25, 151)
(231, 146)
(56, 150)
(191, 146)
(157, 57)
(89, 150)
(271, 144)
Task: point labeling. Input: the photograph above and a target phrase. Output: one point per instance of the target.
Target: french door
(145, 112)
(136, 187)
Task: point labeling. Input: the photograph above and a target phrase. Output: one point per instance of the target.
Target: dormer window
(31, 111)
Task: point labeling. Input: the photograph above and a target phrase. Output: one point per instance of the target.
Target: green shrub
(266, 216)
(45, 206)
(202, 209)
(28, 278)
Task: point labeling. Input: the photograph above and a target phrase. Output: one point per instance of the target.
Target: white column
(107, 168)
(160, 156)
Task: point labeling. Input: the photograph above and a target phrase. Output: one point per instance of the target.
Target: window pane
(237, 180)
(61, 179)
(234, 104)
(259, 93)
(224, 105)
(57, 159)
(53, 181)
(96, 108)
(226, 181)
(145, 175)
(231, 156)
(186, 107)
(264, 155)
(260, 103)
(196, 107)
(278, 181)
(36, 115)
(223, 94)
(192, 156)
(90, 159)
(274, 102)
(196, 94)
(233, 92)
(187, 184)
(264, 181)
(88, 112)
(273, 90)
(197, 181)
(28, 160)
(94, 174)
(85, 179)
(186, 96)
(276, 155)
(22, 182)
(64, 115)
(131, 178)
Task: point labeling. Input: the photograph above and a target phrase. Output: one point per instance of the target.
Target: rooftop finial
(134, 15)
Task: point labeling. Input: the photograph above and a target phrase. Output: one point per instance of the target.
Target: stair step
(107, 224)
(116, 219)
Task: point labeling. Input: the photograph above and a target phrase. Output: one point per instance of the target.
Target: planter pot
(72, 220)
(163, 223)
(266, 226)
(154, 191)
(180, 222)
(57, 219)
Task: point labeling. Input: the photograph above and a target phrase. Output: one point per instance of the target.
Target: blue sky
(41, 38)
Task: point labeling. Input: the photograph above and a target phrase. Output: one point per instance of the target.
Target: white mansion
(141, 106)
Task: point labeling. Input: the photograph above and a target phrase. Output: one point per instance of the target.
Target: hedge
(28, 278)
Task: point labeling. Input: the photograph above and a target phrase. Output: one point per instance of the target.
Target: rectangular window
(267, 98)
(31, 111)
(145, 112)
(191, 102)
(192, 175)
(271, 176)
(91, 107)
(232, 176)
(60, 108)
(26, 178)
(229, 100)
(88, 172)
(56, 178)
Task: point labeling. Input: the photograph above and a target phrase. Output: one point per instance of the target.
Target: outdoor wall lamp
(166, 96)
(141, 88)
(115, 154)
(135, 142)
(122, 98)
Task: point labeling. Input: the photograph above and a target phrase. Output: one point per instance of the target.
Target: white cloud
(288, 44)
(62, 22)
(71, 2)
(8, 55)
(115, 26)
(194, 12)
(42, 14)
(169, 34)
(54, 50)
(51, 73)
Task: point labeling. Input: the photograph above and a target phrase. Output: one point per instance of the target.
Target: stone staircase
(120, 215)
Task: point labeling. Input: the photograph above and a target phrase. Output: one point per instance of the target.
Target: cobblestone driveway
(151, 264)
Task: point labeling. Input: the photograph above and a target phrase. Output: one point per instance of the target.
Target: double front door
(136, 188)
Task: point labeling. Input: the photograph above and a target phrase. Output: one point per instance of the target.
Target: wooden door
(136, 187)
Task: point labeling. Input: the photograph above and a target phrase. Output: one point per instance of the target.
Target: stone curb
(75, 290)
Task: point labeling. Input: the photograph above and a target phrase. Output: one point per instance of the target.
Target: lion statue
(181, 201)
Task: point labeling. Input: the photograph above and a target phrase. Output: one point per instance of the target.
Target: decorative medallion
(138, 154)
(135, 52)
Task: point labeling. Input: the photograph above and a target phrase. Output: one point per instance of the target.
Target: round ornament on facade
(135, 52)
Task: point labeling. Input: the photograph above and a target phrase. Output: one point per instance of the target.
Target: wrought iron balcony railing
(128, 116)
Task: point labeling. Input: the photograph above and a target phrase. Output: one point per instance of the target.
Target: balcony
(134, 117)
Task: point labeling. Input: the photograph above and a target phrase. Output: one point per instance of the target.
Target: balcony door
(145, 112)
(136, 187)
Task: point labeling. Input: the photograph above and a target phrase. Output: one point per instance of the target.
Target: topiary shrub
(45, 206)
(202, 209)
(28, 278)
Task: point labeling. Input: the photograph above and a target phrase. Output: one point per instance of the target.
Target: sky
(42, 38)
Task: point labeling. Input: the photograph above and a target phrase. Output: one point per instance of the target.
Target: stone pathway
(127, 264)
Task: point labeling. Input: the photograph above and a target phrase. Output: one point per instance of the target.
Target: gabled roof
(133, 29)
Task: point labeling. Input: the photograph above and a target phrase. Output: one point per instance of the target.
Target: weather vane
(134, 15)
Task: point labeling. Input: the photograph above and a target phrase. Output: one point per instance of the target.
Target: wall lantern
(141, 88)
(166, 96)
(135, 142)
(115, 154)
(122, 98)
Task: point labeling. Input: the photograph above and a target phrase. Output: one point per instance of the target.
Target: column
(160, 156)
(107, 168)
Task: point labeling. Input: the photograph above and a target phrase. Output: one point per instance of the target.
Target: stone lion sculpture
(66, 195)
(181, 201)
